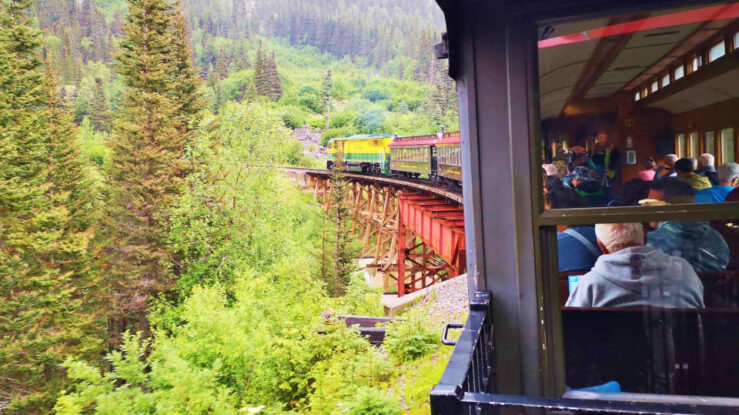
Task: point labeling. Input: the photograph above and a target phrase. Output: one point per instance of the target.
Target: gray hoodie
(638, 276)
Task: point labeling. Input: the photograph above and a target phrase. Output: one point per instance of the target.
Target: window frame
(545, 222)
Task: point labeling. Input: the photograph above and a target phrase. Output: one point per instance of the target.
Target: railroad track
(423, 185)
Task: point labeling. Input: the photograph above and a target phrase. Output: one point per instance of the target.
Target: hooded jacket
(696, 242)
(638, 276)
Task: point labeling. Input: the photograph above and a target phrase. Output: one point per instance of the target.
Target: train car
(363, 153)
(627, 82)
(412, 156)
(449, 158)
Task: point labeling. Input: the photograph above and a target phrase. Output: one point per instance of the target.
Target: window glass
(727, 145)
(709, 141)
(736, 40)
(679, 72)
(599, 138)
(718, 50)
(680, 146)
(693, 145)
(651, 305)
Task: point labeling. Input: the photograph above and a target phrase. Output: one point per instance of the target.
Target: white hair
(670, 159)
(706, 159)
(618, 236)
(727, 172)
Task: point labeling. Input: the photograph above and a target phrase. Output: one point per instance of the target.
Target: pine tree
(99, 111)
(274, 85)
(338, 245)
(222, 65)
(326, 95)
(148, 167)
(186, 87)
(49, 309)
(261, 81)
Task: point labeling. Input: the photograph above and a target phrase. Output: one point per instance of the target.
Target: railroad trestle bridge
(412, 230)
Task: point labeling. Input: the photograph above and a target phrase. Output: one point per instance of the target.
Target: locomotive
(435, 157)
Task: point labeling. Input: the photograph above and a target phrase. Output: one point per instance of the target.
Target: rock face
(311, 142)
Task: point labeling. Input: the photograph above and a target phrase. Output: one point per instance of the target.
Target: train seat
(652, 350)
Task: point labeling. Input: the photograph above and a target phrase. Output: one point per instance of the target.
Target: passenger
(696, 242)
(577, 248)
(605, 158)
(667, 167)
(684, 169)
(578, 157)
(630, 274)
(728, 177)
(707, 168)
(633, 191)
(729, 230)
(586, 182)
(650, 168)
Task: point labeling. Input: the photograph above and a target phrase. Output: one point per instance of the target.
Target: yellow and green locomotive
(365, 153)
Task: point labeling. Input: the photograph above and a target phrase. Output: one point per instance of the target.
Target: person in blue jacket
(576, 246)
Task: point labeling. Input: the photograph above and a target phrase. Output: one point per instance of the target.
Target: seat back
(652, 350)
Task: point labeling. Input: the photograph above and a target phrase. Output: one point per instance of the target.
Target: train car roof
(361, 137)
(425, 142)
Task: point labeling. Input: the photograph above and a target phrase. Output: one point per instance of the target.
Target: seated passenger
(666, 168)
(706, 168)
(728, 178)
(696, 242)
(586, 182)
(577, 157)
(729, 230)
(650, 168)
(684, 169)
(631, 274)
(576, 246)
(633, 191)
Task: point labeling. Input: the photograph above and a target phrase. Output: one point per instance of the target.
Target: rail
(467, 385)
(422, 185)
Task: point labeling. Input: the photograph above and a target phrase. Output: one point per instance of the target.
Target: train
(435, 157)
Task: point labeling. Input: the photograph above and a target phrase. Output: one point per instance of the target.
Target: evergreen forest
(152, 260)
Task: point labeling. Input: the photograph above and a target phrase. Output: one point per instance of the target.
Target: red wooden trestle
(431, 245)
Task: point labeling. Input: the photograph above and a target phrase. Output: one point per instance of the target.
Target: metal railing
(468, 383)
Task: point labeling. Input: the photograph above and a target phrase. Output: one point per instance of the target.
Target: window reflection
(654, 306)
(606, 113)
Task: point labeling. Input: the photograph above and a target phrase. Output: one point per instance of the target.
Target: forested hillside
(151, 259)
(384, 76)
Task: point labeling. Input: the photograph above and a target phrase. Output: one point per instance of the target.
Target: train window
(709, 142)
(678, 73)
(718, 50)
(736, 40)
(727, 145)
(680, 146)
(615, 145)
(693, 145)
(651, 307)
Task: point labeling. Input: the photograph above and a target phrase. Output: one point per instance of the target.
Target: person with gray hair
(666, 167)
(707, 168)
(630, 274)
(728, 178)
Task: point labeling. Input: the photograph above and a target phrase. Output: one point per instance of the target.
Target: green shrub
(370, 401)
(410, 339)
